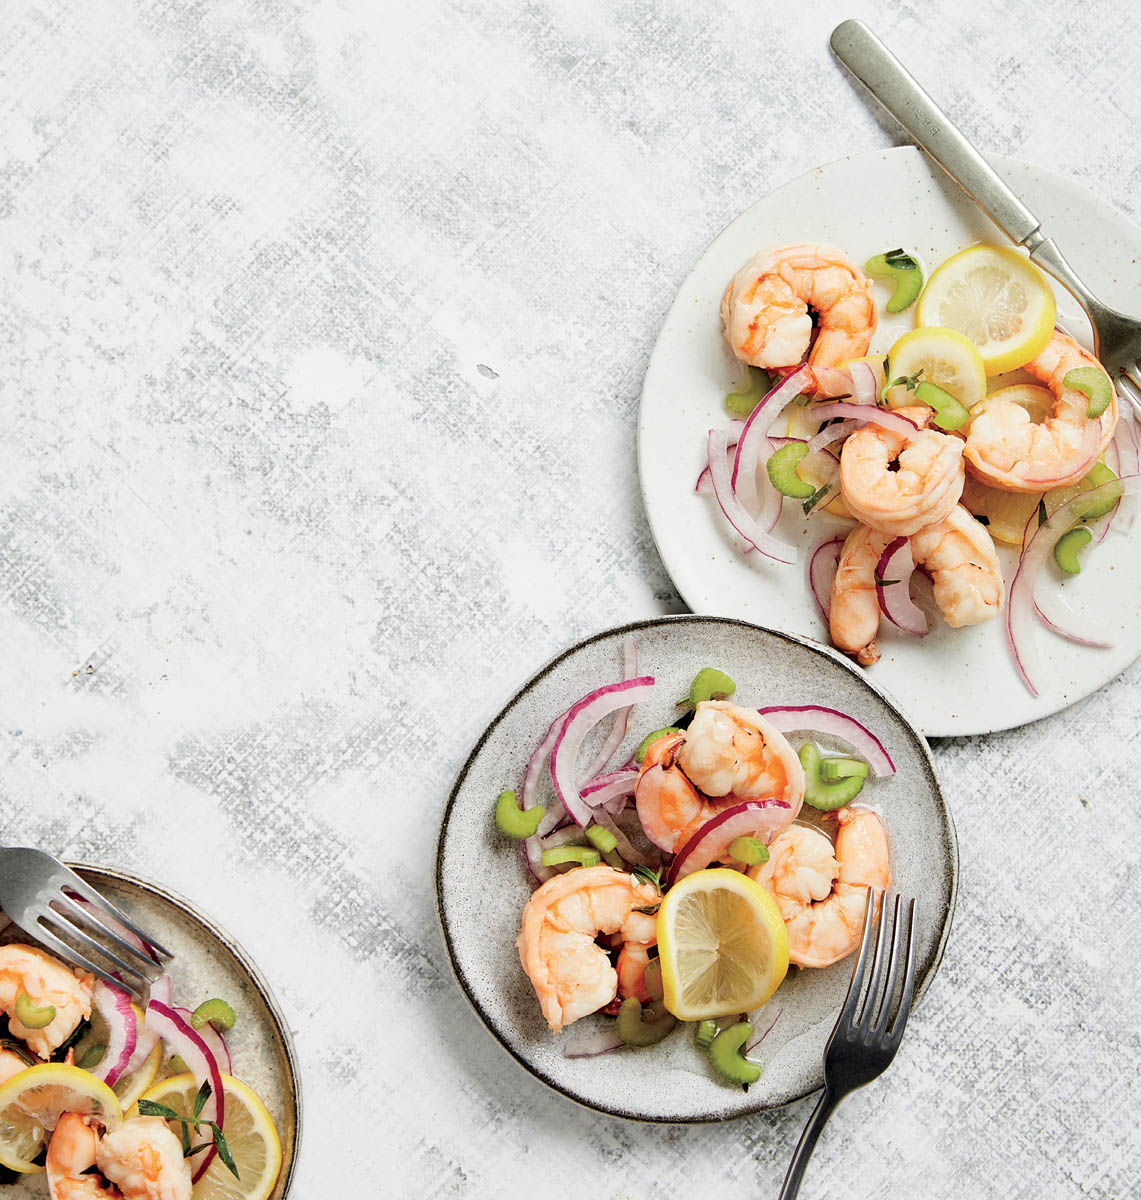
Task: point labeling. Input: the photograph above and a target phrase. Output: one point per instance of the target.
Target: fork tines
(877, 999)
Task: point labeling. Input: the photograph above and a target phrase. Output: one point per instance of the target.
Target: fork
(858, 1050)
(1116, 336)
(46, 900)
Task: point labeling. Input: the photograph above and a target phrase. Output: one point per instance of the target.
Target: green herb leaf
(1043, 515)
(223, 1148)
(648, 875)
(911, 382)
(150, 1108)
(886, 582)
(815, 499)
(204, 1094)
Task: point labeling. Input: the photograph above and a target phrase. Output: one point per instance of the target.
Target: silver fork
(41, 895)
(1116, 336)
(858, 1050)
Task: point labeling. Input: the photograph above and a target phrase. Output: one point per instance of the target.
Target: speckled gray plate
(482, 884)
(208, 962)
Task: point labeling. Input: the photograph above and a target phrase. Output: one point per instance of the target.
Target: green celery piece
(31, 1016)
(635, 1030)
(1090, 510)
(650, 738)
(832, 769)
(900, 269)
(826, 797)
(601, 838)
(583, 855)
(516, 824)
(727, 1058)
(1093, 383)
(742, 403)
(217, 1012)
(1067, 546)
(782, 471)
(950, 413)
(748, 850)
(708, 683)
(705, 1033)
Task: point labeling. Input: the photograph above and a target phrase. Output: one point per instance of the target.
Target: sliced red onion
(1020, 604)
(893, 587)
(704, 484)
(870, 415)
(215, 1041)
(114, 1006)
(746, 525)
(757, 1041)
(822, 563)
(1069, 634)
(1129, 455)
(867, 382)
(829, 381)
(625, 847)
(621, 717)
(108, 922)
(833, 433)
(580, 720)
(762, 819)
(591, 1042)
(182, 1040)
(570, 835)
(529, 797)
(815, 718)
(605, 788)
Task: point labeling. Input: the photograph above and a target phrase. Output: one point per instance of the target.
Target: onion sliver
(822, 565)
(743, 522)
(1069, 634)
(592, 1042)
(109, 922)
(815, 718)
(580, 720)
(1129, 456)
(605, 788)
(704, 483)
(529, 797)
(867, 382)
(215, 1042)
(893, 587)
(829, 381)
(147, 1039)
(182, 1040)
(625, 847)
(114, 1006)
(870, 415)
(762, 819)
(621, 717)
(1020, 606)
(833, 433)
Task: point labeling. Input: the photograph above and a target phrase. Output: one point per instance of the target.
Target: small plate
(482, 884)
(954, 681)
(207, 962)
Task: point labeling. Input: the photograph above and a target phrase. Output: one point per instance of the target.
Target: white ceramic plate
(207, 962)
(953, 681)
(482, 884)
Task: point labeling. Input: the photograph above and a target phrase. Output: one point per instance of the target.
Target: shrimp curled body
(729, 754)
(27, 971)
(1006, 449)
(570, 973)
(142, 1159)
(821, 889)
(765, 316)
(922, 489)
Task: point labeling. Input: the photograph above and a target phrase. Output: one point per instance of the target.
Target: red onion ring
(867, 383)
(815, 718)
(870, 415)
(747, 526)
(604, 788)
(1069, 634)
(589, 1043)
(580, 720)
(754, 1044)
(833, 433)
(114, 1006)
(625, 847)
(1019, 622)
(529, 797)
(185, 1042)
(822, 564)
(762, 819)
(896, 563)
(1129, 454)
(704, 484)
(621, 717)
(215, 1041)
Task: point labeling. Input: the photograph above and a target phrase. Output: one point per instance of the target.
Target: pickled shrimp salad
(106, 1099)
(985, 423)
(679, 885)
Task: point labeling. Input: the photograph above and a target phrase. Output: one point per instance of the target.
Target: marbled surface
(324, 328)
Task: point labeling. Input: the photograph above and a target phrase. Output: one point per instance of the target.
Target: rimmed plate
(482, 884)
(208, 962)
(953, 681)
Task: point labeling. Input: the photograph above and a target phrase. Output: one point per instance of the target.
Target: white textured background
(324, 325)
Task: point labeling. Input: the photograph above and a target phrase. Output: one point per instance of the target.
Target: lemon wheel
(723, 945)
(945, 357)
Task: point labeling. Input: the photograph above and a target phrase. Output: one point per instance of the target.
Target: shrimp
(922, 489)
(1006, 449)
(570, 973)
(854, 610)
(821, 889)
(10, 1064)
(70, 1159)
(764, 311)
(727, 755)
(144, 1160)
(960, 557)
(26, 971)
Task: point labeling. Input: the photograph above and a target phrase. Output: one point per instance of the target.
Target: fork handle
(874, 65)
(825, 1107)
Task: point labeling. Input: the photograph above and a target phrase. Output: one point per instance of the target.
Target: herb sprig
(151, 1108)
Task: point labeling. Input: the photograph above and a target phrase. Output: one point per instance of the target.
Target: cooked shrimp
(70, 1159)
(570, 972)
(1006, 449)
(765, 316)
(821, 889)
(10, 1064)
(144, 1160)
(728, 754)
(960, 557)
(633, 959)
(26, 971)
(923, 487)
(854, 610)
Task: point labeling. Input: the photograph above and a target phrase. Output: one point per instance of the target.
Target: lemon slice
(947, 359)
(250, 1133)
(997, 298)
(32, 1102)
(723, 945)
